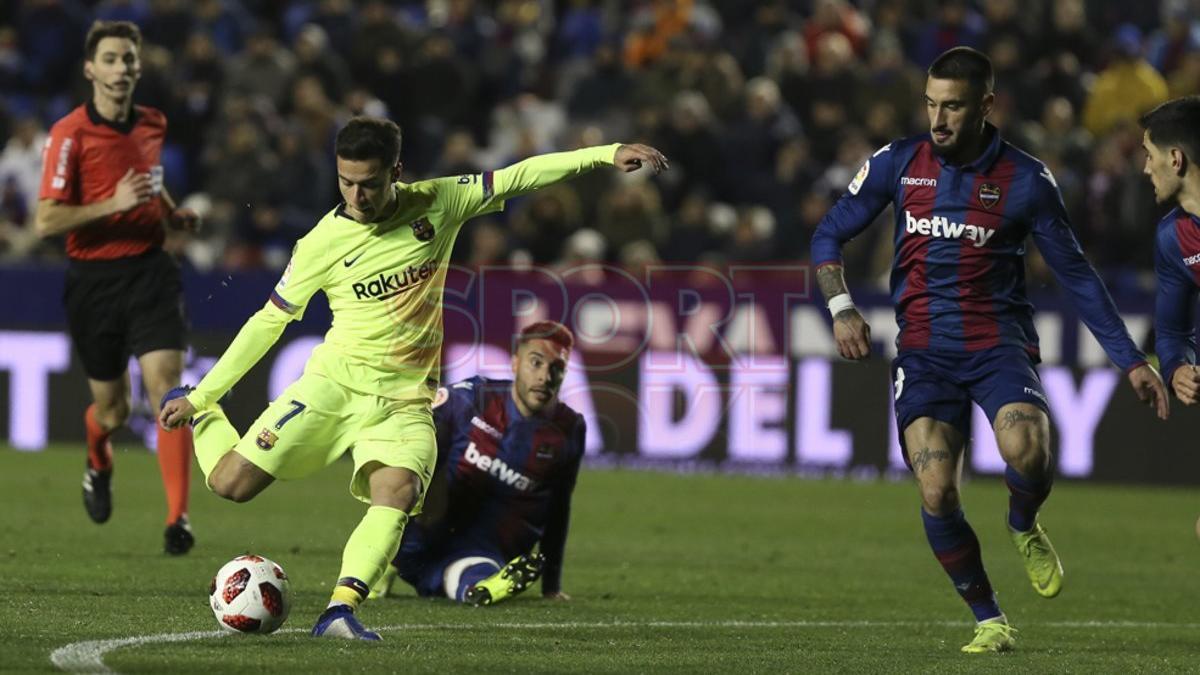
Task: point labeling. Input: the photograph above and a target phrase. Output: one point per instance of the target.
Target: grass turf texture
(826, 576)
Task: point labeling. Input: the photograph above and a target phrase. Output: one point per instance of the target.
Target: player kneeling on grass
(381, 258)
(508, 455)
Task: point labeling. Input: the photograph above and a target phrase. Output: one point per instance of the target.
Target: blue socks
(957, 549)
(1025, 498)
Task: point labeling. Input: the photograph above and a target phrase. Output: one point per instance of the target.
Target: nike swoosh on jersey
(351, 261)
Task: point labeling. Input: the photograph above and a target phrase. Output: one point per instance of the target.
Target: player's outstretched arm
(541, 171)
(850, 329)
(253, 341)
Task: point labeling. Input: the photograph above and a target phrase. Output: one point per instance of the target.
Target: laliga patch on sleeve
(860, 177)
(287, 273)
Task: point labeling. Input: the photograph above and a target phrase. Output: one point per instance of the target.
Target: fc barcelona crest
(266, 439)
(422, 230)
(988, 195)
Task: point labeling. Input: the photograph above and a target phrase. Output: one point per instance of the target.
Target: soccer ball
(250, 595)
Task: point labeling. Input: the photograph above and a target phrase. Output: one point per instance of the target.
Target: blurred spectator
(605, 88)
(830, 95)
(751, 240)
(226, 21)
(1005, 22)
(581, 31)
(1185, 81)
(1057, 134)
(51, 37)
(955, 23)
(1179, 36)
(488, 243)
(638, 258)
(631, 211)
(543, 221)
(1128, 87)
(652, 27)
(751, 142)
(584, 254)
(1068, 33)
(766, 105)
(839, 17)
(690, 233)
(21, 169)
(263, 69)
(315, 58)
(693, 142)
(167, 21)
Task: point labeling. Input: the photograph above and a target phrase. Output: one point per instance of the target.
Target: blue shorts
(942, 385)
(422, 563)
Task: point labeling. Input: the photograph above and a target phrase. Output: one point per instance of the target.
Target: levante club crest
(989, 194)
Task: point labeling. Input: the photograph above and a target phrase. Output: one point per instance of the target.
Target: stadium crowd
(766, 110)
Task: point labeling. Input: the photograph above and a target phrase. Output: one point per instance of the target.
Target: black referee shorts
(123, 307)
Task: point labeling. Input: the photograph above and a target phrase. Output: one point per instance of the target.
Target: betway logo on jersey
(498, 469)
(384, 286)
(939, 226)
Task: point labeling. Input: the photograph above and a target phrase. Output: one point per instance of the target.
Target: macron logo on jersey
(918, 182)
(1191, 260)
(939, 226)
(385, 286)
(498, 469)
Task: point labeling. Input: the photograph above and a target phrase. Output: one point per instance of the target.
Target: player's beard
(959, 143)
(948, 149)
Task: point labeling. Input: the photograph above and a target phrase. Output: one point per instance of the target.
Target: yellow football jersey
(384, 282)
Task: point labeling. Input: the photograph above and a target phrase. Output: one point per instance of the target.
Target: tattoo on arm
(921, 458)
(831, 281)
(1014, 417)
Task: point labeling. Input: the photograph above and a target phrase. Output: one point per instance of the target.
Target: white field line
(88, 657)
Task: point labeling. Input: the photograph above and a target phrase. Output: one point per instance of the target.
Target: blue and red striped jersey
(1177, 266)
(958, 273)
(507, 478)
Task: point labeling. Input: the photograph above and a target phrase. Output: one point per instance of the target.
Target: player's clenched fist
(633, 156)
(1186, 383)
(175, 413)
(852, 334)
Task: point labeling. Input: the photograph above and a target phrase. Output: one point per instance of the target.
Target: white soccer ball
(250, 595)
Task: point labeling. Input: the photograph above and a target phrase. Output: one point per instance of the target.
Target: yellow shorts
(315, 420)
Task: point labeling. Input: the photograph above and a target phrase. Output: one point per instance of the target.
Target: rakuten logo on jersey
(498, 469)
(385, 286)
(939, 226)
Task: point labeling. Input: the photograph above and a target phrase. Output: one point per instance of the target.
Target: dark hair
(964, 63)
(1176, 123)
(365, 138)
(107, 29)
(548, 330)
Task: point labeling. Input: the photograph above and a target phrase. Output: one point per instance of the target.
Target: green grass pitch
(669, 573)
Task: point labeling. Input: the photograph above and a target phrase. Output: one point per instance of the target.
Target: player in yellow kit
(381, 258)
